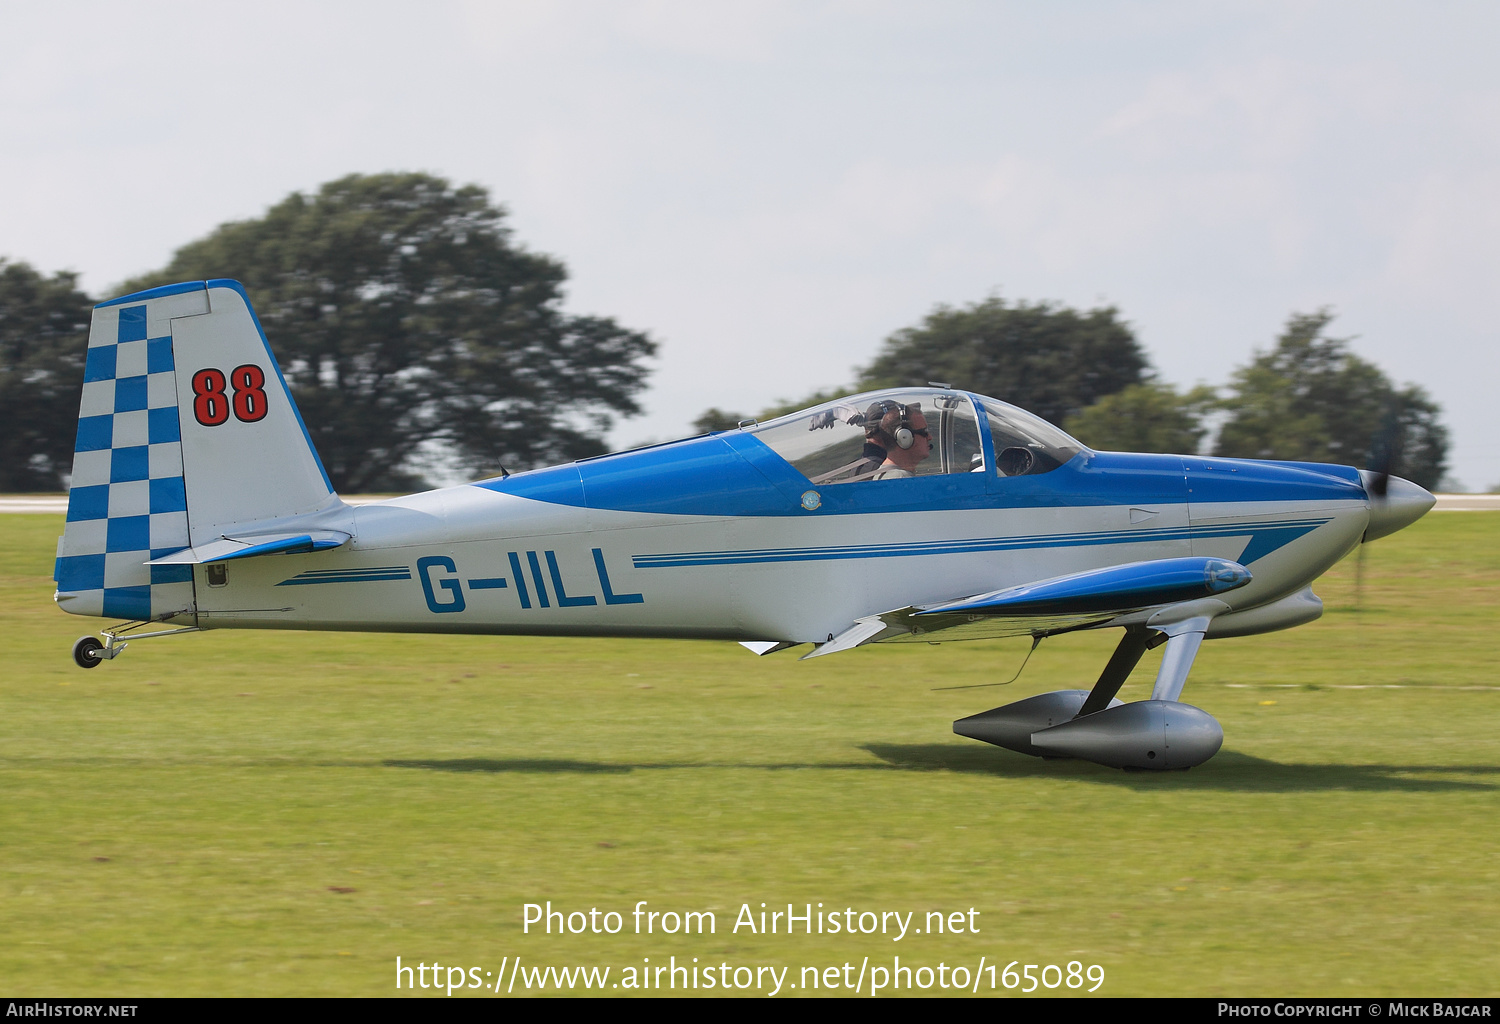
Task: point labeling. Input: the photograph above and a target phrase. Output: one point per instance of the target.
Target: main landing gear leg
(1135, 643)
(1182, 647)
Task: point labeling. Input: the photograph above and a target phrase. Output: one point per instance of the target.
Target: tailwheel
(88, 651)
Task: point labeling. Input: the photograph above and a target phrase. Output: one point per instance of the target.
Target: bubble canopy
(912, 432)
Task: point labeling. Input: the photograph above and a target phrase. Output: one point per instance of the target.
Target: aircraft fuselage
(637, 544)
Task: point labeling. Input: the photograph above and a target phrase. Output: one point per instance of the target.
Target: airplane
(919, 514)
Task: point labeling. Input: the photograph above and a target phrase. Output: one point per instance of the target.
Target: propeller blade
(1359, 581)
(1385, 452)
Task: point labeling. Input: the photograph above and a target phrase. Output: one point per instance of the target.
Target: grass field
(286, 813)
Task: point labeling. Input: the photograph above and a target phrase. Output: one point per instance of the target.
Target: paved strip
(1352, 686)
(1468, 502)
(9, 503)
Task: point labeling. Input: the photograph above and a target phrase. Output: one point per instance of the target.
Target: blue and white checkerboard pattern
(128, 503)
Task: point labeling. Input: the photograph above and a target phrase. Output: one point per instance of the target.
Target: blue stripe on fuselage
(369, 574)
(1264, 538)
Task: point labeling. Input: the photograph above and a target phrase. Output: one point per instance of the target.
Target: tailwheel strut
(89, 651)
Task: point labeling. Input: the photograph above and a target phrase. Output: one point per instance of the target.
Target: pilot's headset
(902, 432)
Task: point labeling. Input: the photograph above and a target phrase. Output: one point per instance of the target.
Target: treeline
(1309, 398)
(407, 323)
(410, 324)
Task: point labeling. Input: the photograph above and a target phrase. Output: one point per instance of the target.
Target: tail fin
(186, 431)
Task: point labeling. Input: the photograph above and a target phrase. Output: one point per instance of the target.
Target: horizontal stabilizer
(226, 548)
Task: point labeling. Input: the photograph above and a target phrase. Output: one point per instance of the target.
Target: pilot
(903, 432)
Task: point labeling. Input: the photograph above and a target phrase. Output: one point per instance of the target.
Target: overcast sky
(770, 189)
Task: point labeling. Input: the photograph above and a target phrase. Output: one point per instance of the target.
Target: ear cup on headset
(901, 432)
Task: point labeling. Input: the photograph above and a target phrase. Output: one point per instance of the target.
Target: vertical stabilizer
(186, 430)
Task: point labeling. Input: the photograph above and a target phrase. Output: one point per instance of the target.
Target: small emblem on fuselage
(811, 500)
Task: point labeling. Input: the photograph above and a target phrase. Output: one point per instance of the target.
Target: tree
(1049, 359)
(44, 325)
(403, 315)
(1311, 400)
(1147, 417)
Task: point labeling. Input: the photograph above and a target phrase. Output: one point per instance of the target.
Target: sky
(771, 189)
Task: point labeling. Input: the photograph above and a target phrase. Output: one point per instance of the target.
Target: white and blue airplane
(909, 515)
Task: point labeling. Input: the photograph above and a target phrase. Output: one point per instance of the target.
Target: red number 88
(211, 405)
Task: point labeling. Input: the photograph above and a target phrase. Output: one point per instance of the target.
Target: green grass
(179, 821)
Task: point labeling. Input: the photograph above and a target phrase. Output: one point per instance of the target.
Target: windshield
(1025, 445)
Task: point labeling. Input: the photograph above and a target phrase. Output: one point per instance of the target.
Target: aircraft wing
(1075, 601)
